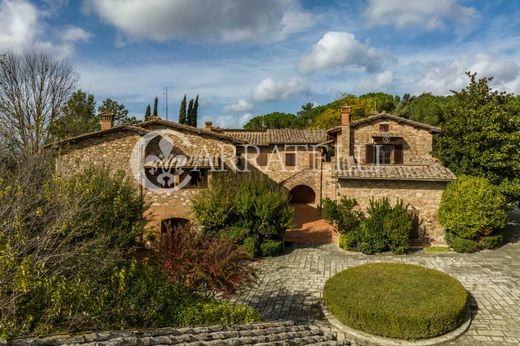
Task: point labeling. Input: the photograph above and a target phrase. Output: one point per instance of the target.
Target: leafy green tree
(275, 120)
(307, 114)
(147, 113)
(382, 102)
(425, 108)
(78, 116)
(182, 111)
(189, 118)
(119, 110)
(155, 106)
(481, 136)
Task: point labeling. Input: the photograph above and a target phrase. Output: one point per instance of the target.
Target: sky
(250, 57)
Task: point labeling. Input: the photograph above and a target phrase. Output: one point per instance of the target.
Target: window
(384, 128)
(398, 154)
(385, 153)
(290, 159)
(261, 159)
(313, 160)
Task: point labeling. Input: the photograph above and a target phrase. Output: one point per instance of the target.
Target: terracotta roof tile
(279, 136)
(433, 171)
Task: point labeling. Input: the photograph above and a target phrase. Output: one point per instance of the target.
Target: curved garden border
(369, 339)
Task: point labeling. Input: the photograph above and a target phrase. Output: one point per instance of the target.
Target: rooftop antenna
(165, 107)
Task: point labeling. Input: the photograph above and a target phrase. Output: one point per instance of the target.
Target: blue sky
(249, 57)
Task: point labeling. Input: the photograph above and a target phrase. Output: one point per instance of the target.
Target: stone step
(283, 333)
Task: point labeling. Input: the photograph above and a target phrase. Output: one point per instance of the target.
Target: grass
(437, 249)
(396, 300)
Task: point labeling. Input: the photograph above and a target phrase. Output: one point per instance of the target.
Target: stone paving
(289, 287)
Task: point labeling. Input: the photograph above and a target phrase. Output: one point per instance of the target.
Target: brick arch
(302, 194)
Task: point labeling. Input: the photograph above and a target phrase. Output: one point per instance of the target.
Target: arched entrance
(169, 225)
(302, 194)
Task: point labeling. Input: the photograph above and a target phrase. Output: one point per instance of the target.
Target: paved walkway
(310, 227)
(289, 287)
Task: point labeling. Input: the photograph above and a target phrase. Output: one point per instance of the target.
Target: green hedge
(396, 300)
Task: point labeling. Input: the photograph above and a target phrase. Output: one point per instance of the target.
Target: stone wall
(423, 197)
(417, 142)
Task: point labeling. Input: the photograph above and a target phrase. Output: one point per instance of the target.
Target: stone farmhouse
(380, 156)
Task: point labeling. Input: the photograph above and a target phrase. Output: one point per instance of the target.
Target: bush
(343, 214)
(460, 244)
(343, 241)
(197, 260)
(472, 207)
(491, 241)
(418, 302)
(398, 225)
(271, 248)
(250, 203)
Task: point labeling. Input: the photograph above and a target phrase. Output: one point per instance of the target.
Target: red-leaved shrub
(204, 262)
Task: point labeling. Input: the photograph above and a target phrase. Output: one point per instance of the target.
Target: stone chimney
(106, 120)
(345, 115)
(208, 125)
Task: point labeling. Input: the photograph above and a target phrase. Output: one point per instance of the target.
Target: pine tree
(155, 105)
(147, 113)
(190, 113)
(195, 112)
(182, 111)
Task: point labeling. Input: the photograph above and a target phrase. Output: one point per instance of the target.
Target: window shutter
(369, 153)
(398, 154)
(290, 160)
(261, 159)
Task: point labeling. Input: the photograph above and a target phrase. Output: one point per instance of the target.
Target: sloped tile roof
(382, 116)
(279, 136)
(433, 171)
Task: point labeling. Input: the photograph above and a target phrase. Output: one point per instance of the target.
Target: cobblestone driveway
(290, 286)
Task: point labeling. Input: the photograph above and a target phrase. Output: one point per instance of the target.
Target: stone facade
(299, 161)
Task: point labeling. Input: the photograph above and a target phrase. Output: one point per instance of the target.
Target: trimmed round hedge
(396, 300)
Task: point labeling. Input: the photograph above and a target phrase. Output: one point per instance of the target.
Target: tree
(382, 102)
(182, 111)
(481, 136)
(155, 106)
(426, 108)
(189, 119)
(275, 120)
(33, 90)
(119, 110)
(147, 113)
(195, 112)
(78, 116)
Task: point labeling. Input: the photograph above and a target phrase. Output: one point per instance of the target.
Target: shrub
(372, 237)
(197, 260)
(251, 246)
(250, 202)
(343, 241)
(418, 302)
(271, 248)
(343, 214)
(398, 225)
(491, 241)
(460, 244)
(472, 207)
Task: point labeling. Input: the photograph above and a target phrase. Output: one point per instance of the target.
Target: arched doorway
(169, 225)
(302, 194)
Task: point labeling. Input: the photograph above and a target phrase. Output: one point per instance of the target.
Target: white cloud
(338, 49)
(73, 34)
(241, 105)
(19, 25)
(382, 80)
(202, 20)
(440, 78)
(230, 121)
(273, 90)
(430, 15)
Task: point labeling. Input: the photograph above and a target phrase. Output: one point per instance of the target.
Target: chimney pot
(345, 115)
(106, 120)
(208, 125)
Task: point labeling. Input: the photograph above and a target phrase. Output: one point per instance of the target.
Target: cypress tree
(195, 111)
(182, 111)
(190, 113)
(147, 113)
(155, 105)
